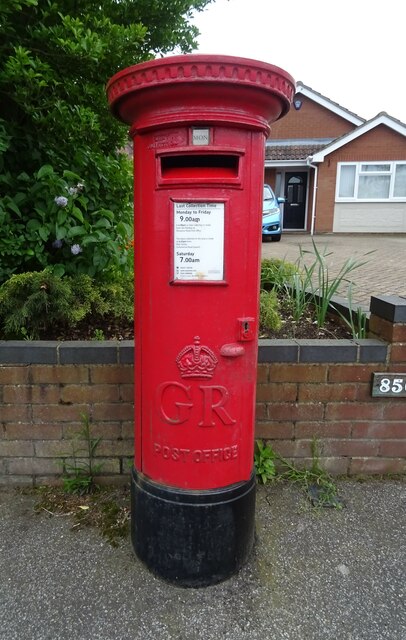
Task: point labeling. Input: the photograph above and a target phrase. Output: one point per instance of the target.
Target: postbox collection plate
(200, 137)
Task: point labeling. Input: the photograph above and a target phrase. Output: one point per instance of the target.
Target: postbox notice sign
(198, 241)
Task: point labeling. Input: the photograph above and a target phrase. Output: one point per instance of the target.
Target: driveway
(383, 255)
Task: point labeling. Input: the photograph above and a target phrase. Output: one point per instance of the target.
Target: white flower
(61, 201)
(72, 191)
(76, 249)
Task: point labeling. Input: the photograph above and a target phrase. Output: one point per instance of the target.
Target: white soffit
(286, 163)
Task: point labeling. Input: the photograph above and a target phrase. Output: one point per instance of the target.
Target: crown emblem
(196, 361)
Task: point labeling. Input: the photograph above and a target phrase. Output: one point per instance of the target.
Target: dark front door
(294, 210)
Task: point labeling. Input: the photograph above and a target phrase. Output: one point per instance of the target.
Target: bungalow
(337, 171)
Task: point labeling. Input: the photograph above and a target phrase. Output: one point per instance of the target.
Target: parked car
(271, 216)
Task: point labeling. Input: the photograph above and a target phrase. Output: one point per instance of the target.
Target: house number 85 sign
(392, 385)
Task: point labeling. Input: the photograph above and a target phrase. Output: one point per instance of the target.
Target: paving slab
(313, 575)
(383, 255)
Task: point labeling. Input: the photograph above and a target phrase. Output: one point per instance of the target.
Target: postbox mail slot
(200, 167)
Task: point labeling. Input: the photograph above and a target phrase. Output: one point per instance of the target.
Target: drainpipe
(316, 171)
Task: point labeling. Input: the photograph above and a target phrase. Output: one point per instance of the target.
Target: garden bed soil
(306, 327)
(110, 329)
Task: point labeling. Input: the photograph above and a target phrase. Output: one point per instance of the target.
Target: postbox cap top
(202, 58)
(201, 69)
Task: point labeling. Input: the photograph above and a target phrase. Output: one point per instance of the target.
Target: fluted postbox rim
(202, 70)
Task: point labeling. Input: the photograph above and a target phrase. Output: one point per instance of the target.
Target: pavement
(383, 271)
(314, 574)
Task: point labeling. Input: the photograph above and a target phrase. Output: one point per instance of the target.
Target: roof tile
(291, 152)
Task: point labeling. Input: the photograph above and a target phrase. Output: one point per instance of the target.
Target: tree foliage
(56, 130)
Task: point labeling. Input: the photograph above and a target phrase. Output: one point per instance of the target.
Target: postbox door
(197, 319)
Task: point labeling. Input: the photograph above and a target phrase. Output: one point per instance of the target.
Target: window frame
(359, 173)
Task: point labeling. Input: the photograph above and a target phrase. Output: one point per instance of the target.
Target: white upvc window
(371, 181)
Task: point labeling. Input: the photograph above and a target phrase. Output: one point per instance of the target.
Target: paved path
(384, 271)
(314, 575)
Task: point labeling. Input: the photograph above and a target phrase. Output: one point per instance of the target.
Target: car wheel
(276, 238)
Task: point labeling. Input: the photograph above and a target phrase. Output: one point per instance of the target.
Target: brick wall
(322, 389)
(311, 121)
(306, 389)
(379, 144)
(44, 389)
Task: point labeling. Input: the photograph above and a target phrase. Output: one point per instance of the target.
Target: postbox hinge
(246, 329)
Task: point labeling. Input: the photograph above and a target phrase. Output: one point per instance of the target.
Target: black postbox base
(192, 538)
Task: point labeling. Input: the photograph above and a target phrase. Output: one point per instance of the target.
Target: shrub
(32, 302)
(37, 303)
(269, 311)
(118, 296)
(55, 59)
(275, 273)
(54, 221)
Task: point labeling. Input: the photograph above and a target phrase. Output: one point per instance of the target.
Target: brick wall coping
(392, 308)
(24, 352)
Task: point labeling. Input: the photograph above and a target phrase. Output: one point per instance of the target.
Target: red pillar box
(199, 124)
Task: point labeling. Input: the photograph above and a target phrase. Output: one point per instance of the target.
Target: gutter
(315, 186)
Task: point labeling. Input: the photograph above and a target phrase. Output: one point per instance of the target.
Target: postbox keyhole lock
(246, 329)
